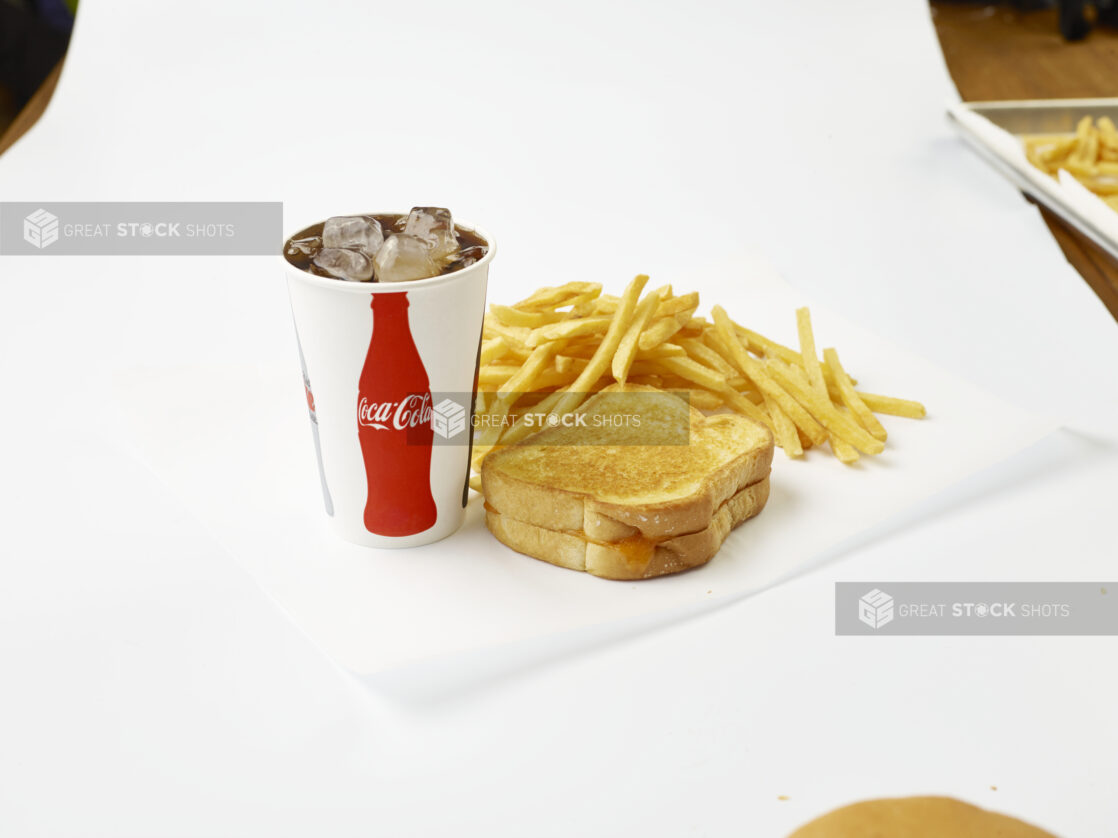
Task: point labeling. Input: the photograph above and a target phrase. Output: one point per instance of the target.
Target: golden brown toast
(636, 556)
(619, 484)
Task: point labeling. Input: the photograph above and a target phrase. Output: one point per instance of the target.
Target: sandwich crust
(618, 488)
(634, 557)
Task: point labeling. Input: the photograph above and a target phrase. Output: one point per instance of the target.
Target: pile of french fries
(550, 351)
(1090, 155)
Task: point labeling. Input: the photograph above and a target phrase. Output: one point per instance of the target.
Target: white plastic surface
(148, 687)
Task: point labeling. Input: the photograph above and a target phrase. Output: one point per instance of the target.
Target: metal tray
(1040, 116)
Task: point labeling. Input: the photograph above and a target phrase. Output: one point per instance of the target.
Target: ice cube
(403, 257)
(357, 232)
(466, 257)
(304, 247)
(345, 264)
(436, 227)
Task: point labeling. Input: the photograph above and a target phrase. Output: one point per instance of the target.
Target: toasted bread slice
(614, 481)
(635, 557)
(628, 500)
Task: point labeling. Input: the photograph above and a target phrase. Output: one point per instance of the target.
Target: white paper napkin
(235, 444)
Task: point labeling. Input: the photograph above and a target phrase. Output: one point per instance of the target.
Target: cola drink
(386, 247)
(375, 347)
(394, 425)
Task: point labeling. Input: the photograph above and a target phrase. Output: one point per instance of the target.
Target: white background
(147, 687)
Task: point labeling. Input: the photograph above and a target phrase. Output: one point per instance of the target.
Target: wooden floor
(995, 52)
(992, 52)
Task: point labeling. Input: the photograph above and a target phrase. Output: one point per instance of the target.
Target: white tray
(996, 129)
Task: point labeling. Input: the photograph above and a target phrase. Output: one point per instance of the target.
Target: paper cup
(390, 371)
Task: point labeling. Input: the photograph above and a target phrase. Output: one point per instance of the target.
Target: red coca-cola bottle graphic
(394, 424)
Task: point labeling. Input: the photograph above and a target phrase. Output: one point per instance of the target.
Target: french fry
(737, 381)
(795, 381)
(740, 384)
(477, 457)
(1083, 132)
(713, 340)
(568, 329)
(529, 371)
(892, 406)
(514, 335)
(565, 363)
(1058, 152)
(582, 348)
(602, 358)
(659, 332)
(581, 305)
(851, 399)
(671, 381)
(702, 353)
(663, 350)
(481, 401)
(692, 371)
(546, 298)
(832, 385)
(843, 450)
(785, 430)
(684, 304)
(649, 367)
(744, 406)
(753, 370)
(553, 378)
(1090, 155)
(578, 349)
(804, 441)
(808, 359)
(491, 424)
(516, 353)
(1033, 156)
(606, 304)
(761, 345)
(496, 374)
(546, 354)
(1100, 187)
(693, 326)
(532, 399)
(583, 297)
(492, 349)
(520, 429)
(1082, 171)
(512, 316)
(627, 348)
(489, 380)
(705, 399)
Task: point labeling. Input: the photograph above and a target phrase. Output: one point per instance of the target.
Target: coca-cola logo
(410, 412)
